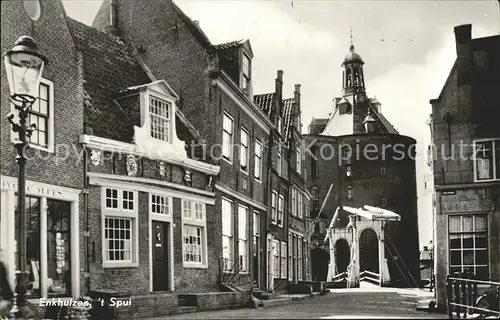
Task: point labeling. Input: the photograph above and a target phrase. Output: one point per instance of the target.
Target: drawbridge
(366, 224)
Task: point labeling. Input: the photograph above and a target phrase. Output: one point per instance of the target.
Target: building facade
(148, 203)
(466, 162)
(288, 228)
(214, 84)
(358, 158)
(54, 170)
(113, 189)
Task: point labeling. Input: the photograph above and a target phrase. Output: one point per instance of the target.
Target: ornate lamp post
(24, 67)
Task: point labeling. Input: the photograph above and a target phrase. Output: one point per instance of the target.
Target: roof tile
(228, 45)
(265, 102)
(109, 66)
(287, 115)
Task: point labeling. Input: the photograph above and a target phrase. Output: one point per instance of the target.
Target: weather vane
(352, 40)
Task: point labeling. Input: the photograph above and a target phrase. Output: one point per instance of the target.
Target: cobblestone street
(359, 305)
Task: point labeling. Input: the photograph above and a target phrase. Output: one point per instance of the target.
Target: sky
(408, 48)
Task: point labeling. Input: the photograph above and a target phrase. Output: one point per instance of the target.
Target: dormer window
(369, 123)
(246, 72)
(157, 131)
(160, 119)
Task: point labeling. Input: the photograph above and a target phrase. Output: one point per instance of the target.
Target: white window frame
(230, 234)
(281, 210)
(294, 202)
(300, 263)
(164, 205)
(290, 255)
(294, 255)
(243, 239)
(300, 205)
(228, 158)
(246, 76)
(299, 161)
(495, 143)
(274, 207)
(276, 259)
(167, 125)
(50, 120)
(244, 150)
(279, 155)
(121, 213)
(258, 161)
(195, 221)
(283, 257)
(473, 248)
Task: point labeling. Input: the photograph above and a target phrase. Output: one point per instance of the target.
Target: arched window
(348, 77)
(382, 171)
(348, 193)
(383, 202)
(315, 193)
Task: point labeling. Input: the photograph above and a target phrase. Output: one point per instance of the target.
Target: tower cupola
(352, 76)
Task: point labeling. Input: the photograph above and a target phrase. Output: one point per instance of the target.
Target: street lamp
(24, 67)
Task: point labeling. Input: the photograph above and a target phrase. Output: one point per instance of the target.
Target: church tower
(353, 79)
(354, 112)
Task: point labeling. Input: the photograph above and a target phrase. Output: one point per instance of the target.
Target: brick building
(364, 160)
(466, 163)
(288, 231)
(54, 171)
(214, 83)
(150, 206)
(112, 185)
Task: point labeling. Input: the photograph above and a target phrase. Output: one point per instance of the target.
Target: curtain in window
(227, 234)
(454, 224)
(480, 223)
(467, 224)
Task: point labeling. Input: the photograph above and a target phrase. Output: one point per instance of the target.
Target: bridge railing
(370, 276)
(340, 277)
(465, 301)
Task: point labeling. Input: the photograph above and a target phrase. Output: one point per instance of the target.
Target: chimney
(196, 23)
(278, 90)
(297, 111)
(113, 19)
(279, 83)
(463, 37)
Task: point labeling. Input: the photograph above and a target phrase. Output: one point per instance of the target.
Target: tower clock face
(33, 9)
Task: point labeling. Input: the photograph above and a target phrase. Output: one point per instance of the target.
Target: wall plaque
(131, 165)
